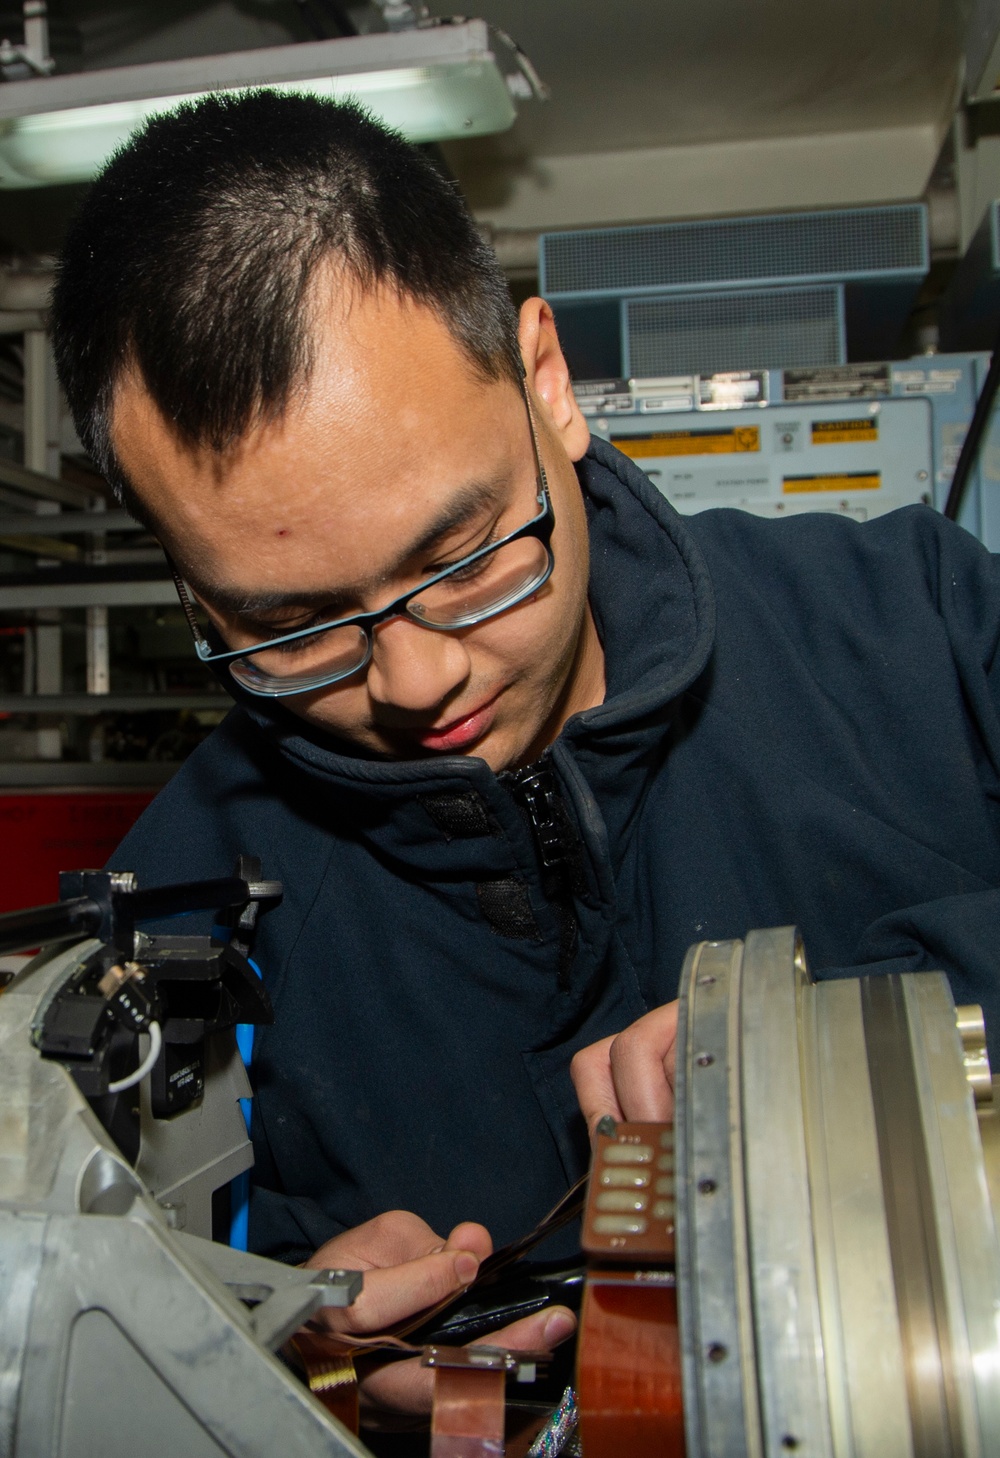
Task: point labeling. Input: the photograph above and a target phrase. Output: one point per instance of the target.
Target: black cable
(974, 436)
(63, 921)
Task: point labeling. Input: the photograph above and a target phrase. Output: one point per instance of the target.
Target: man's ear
(548, 376)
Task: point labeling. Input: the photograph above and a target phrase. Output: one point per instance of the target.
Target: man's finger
(470, 1236)
(630, 1076)
(387, 1240)
(642, 1065)
(590, 1071)
(400, 1291)
(407, 1388)
(541, 1331)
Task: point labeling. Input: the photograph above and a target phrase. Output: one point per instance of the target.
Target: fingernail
(466, 1267)
(559, 1326)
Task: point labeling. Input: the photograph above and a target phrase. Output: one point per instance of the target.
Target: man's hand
(408, 1268)
(630, 1076)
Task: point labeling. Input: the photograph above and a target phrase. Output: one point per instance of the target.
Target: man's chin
(504, 746)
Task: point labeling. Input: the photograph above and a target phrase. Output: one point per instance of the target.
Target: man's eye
(297, 645)
(262, 632)
(471, 570)
(493, 535)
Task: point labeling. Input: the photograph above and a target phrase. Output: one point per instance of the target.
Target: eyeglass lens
(480, 590)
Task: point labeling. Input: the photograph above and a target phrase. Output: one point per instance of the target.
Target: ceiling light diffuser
(431, 84)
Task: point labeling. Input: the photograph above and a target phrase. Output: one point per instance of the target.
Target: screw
(705, 1060)
(707, 1187)
(717, 1352)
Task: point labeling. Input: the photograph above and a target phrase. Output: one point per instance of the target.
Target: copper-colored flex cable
(628, 1353)
(331, 1376)
(468, 1418)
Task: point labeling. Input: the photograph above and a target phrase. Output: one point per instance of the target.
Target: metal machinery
(795, 289)
(746, 361)
(123, 1328)
(837, 1259)
(858, 439)
(824, 1210)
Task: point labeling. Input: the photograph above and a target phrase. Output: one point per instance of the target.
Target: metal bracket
(283, 1296)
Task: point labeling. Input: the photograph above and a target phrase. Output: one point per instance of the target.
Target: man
(556, 733)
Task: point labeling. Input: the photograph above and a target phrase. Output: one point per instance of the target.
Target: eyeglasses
(477, 587)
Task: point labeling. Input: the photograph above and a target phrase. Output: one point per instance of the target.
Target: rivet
(707, 1187)
(705, 1060)
(717, 1352)
(706, 981)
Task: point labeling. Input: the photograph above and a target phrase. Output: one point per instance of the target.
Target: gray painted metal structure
(123, 1328)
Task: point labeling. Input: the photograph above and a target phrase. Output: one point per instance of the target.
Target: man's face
(395, 460)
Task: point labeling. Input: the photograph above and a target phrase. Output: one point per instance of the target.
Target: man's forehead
(387, 448)
(387, 383)
(376, 563)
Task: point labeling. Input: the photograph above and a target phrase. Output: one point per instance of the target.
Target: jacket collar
(655, 614)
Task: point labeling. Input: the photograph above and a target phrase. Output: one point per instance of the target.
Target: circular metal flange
(966, 1296)
(713, 1290)
(838, 1267)
(791, 1365)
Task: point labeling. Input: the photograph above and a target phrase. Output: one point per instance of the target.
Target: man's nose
(415, 668)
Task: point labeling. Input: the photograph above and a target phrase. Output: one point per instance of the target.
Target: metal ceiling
(654, 73)
(635, 77)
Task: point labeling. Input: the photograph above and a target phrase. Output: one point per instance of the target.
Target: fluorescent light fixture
(430, 83)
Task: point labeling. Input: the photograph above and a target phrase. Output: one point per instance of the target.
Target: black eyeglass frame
(540, 526)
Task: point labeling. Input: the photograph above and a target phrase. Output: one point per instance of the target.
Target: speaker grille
(706, 333)
(842, 244)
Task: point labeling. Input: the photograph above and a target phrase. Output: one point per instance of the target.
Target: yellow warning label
(844, 432)
(689, 442)
(845, 481)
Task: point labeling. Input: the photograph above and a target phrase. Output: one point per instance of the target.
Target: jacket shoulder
(184, 833)
(913, 551)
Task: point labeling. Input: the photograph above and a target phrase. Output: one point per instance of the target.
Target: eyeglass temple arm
(539, 467)
(185, 601)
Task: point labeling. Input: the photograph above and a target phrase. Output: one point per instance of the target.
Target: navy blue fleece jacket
(801, 725)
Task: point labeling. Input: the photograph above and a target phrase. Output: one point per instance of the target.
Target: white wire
(155, 1044)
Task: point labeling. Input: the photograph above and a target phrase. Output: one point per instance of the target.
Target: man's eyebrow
(460, 509)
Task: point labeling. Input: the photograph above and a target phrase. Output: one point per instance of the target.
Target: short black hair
(193, 253)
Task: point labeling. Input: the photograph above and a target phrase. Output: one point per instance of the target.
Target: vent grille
(706, 333)
(842, 244)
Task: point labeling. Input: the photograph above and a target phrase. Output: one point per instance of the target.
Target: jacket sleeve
(956, 934)
(287, 1228)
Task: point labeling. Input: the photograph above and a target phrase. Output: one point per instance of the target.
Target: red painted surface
(43, 832)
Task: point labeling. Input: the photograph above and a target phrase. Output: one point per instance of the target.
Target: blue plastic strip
(239, 1189)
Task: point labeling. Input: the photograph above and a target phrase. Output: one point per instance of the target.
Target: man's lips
(459, 733)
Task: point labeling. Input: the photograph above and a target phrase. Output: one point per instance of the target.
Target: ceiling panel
(653, 73)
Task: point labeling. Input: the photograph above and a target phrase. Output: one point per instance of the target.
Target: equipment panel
(858, 439)
(797, 458)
